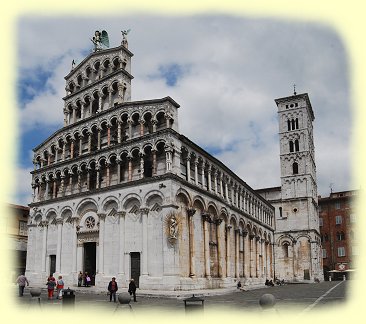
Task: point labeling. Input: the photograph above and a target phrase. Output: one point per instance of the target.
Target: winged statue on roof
(100, 40)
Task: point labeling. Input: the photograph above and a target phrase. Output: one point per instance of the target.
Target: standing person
(87, 278)
(132, 289)
(51, 283)
(21, 281)
(59, 286)
(80, 278)
(112, 288)
(84, 278)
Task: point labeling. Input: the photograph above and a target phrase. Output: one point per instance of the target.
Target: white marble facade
(119, 192)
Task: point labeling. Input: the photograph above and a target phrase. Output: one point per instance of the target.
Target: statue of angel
(124, 37)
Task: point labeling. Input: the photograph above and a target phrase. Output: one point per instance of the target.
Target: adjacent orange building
(17, 230)
(336, 219)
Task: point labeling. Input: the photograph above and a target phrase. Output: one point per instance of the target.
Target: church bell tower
(297, 229)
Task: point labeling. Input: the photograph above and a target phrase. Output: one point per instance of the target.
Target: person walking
(21, 281)
(51, 283)
(132, 289)
(59, 287)
(112, 288)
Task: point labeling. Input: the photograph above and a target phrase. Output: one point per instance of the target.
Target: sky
(225, 72)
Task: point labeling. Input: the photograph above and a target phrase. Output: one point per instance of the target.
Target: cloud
(23, 193)
(224, 71)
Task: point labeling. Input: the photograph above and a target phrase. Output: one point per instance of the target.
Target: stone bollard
(35, 296)
(267, 302)
(124, 299)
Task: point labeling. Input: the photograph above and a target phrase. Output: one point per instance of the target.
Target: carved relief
(172, 224)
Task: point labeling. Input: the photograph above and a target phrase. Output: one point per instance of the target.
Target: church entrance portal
(90, 252)
(135, 267)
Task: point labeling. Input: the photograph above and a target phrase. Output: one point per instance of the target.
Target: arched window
(297, 145)
(285, 250)
(288, 125)
(293, 124)
(291, 146)
(297, 123)
(295, 168)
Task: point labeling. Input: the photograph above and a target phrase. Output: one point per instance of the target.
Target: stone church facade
(118, 191)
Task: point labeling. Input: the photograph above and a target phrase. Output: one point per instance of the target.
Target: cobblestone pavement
(297, 297)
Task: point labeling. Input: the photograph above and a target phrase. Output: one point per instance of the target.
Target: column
(72, 149)
(108, 135)
(100, 104)
(154, 122)
(263, 267)
(129, 168)
(101, 241)
(129, 121)
(206, 219)
(74, 221)
(91, 106)
(46, 192)
(245, 259)
(257, 256)
(89, 141)
(108, 180)
(83, 109)
(192, 264)
(141, 165)
(237, 237)
(141, 121)
(228, 227)
(59, 244)
(98, 144)
(44, 225)
(219, 246)
(74, 114)
(209, 177)
(154, 170)
(188, 168)
(118, 170)
(121, 265)
(97, 180)
(215, 181)
(145, 252)
(221, 179)
(203, 174)
(64, 151)
(88, 178)
(167, 117)
(70, 182)
(80, 144)
(34, 192)
(62, 186)
(227, 191)
(110, 96)
(196, 171)
(251, 242)
(119, 130)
